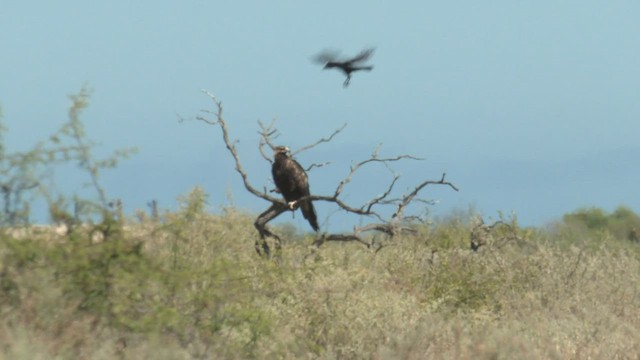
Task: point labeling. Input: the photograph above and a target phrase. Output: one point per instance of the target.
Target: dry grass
(196, 289)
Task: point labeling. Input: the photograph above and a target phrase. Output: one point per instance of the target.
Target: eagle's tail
(309, 213)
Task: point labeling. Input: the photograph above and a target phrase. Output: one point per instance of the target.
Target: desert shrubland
(192, 287)
(188, 284)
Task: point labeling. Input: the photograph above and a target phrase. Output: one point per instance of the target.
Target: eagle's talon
(292, 204)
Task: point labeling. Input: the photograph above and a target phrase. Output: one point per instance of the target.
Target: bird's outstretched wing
(326, 56)
(363, 56)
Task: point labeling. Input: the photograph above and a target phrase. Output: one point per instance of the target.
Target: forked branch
(323, 140)
(231, 146)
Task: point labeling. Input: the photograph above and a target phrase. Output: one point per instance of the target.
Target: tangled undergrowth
(192, 287)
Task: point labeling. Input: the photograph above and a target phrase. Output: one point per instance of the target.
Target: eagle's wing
(300, 177)
(306, 206)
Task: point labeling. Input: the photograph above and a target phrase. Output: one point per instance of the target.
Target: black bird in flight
(293, 183)
(330, 60)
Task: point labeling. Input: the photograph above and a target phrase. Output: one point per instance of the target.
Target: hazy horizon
(528, 107)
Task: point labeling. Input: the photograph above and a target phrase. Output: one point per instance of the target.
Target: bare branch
(387, 228)
(323, 140)
(266, 133)
(317, 165)
(360, 164)
(340, 237)
(408, 198)
(380, 198)
(426, 201)
(264, 155)
(390, 229)
(232, 149)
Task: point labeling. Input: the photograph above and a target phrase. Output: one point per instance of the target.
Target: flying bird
(330, 61)
(293, 183)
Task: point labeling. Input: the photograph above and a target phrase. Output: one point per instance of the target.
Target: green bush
(622, 223)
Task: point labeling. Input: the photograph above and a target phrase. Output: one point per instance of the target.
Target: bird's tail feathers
(309, 213)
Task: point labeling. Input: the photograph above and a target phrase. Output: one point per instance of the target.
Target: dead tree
(398, 223)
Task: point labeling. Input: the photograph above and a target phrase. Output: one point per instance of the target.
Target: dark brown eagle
(330, 61)
(293, 184)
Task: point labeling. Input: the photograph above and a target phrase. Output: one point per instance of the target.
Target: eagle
(293, 183)
(330, 61)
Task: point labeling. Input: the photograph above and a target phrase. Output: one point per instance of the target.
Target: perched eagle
(330, 61)
(293, 183)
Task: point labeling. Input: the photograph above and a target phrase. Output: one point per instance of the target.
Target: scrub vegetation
(187, 284)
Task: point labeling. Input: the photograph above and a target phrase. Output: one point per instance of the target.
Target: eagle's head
(281, 150)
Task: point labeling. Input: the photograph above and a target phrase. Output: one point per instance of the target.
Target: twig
(408, 198)
(355, 168)
(380, 198)
(323, 140)
(232, 149)
(317, 165)
(266, 132)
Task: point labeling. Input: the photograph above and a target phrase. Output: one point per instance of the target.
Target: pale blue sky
(530, 107)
